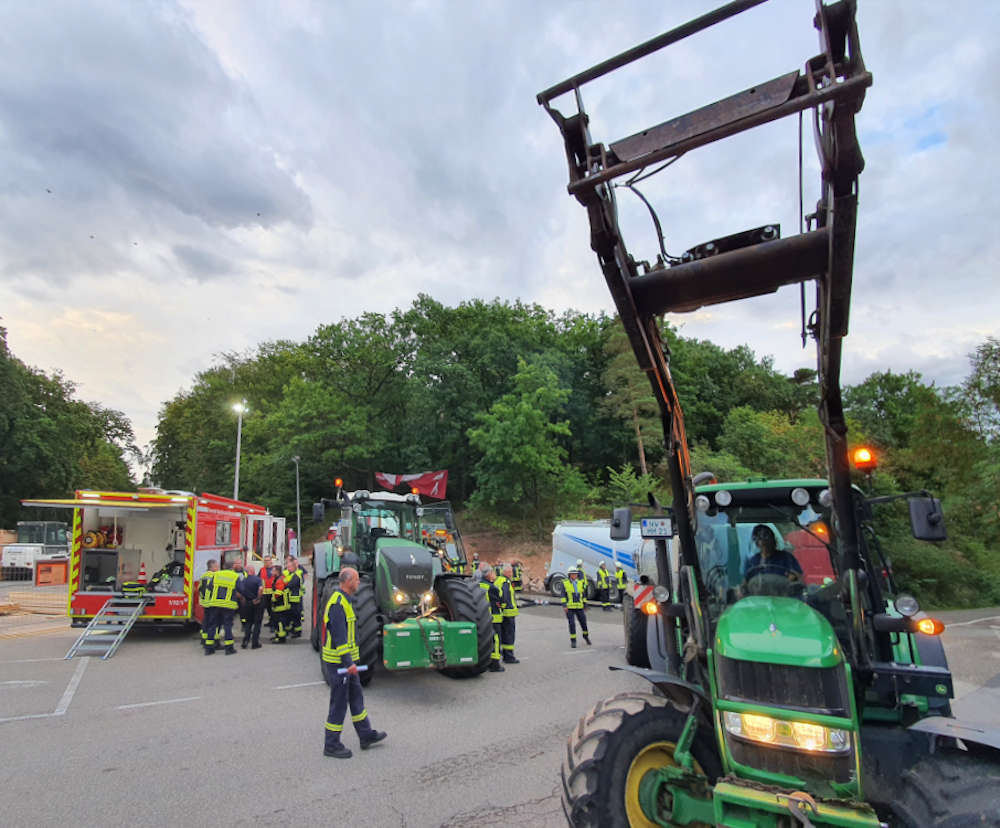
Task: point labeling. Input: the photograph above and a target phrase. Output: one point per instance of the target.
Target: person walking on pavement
(293, 584)
(252, 589)
(509, 612)
(621, 582)
(204, 596)
(604, 586)
(487, 580)
(281, 607)
(223, 599)
(574, 591)
(340, 652)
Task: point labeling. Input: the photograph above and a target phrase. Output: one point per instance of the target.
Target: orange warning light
(864, 459)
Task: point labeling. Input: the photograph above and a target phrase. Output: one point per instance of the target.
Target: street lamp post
(298, 511)
(239, 408)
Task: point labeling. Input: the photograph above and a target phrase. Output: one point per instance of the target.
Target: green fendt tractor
(411, 612)
(785, 694)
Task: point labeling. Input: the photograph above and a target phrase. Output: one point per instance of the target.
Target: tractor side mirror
(621, 523)
(319, 512)
(926, 518)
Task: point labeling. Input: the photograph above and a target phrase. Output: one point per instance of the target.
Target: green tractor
(414, 610)
(792, 685)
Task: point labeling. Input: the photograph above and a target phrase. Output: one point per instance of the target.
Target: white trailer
(589, 541)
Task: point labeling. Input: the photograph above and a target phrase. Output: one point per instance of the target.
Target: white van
(589, 541)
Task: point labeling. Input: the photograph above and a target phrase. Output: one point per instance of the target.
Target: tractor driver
(770, 560)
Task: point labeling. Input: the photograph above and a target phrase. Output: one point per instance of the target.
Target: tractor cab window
(30, 533)
(762, 550)
(55, 534)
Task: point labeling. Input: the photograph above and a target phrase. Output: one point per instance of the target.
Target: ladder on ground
(107, 630)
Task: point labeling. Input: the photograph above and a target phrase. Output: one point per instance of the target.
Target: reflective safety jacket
(205, 589)
(293, 583)
(280, 600)
(268, 576)
(494, 597)
(621, 579)
(224, 589)
(517, 576)
(339, 619)
(575, 592)
(508, 602)
(602, 578)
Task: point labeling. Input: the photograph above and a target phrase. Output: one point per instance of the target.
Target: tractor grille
(811, 767)
(813, 689)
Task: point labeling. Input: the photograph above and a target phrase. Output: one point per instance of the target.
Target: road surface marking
(32, 660)
(974, 621)
(67, 696)
(154, 703)
(74, 682)
(24, 683)
(304, 684)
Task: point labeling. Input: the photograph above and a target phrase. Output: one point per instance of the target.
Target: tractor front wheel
(948, 788)
(464, 600)
(613, 747)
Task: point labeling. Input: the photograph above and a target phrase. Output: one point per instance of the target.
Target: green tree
(629, 397)
(523, 468)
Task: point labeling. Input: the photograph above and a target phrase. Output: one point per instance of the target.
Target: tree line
(540, 416)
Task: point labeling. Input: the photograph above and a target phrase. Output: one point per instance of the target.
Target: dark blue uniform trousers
(345, 690)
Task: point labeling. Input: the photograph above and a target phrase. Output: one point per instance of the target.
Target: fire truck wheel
(465, 600)
(613, 747)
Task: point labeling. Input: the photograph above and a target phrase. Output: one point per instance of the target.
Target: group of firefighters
(239, 588)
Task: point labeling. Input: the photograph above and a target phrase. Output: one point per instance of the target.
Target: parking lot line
(74, 682)
(153, 703)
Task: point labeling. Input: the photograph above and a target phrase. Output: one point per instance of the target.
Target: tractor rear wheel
(636, 623)
(465, 600)
(948, 789)
(613, 747)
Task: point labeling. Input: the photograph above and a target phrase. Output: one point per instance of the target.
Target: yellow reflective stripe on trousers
(360, 715)
(334, 728)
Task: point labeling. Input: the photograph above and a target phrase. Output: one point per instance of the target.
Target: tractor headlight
(399, 596)
(428, 603)
(807, 736)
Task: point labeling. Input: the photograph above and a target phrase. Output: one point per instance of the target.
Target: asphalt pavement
(162, 735)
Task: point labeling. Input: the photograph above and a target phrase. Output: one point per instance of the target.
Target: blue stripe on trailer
(624, 557)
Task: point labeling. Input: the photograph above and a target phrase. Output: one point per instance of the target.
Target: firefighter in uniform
(621, 581)
(574, 591)
(487, 580)
(604, 586)
(208, 617)
(267, 575)
(223, 599)
(475, 564)
(281, 608)
(341, 652)
(293, 585)
(517, 576)
(509, 611)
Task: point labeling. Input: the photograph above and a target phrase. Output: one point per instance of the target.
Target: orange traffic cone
(142, 573)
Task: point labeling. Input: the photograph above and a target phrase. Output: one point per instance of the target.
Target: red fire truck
(162, 538)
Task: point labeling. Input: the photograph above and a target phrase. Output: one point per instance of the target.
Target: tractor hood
(779, 631)
(404, 565)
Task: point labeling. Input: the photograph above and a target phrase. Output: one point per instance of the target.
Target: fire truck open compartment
(118, 540)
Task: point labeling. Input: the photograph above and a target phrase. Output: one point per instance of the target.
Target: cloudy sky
(183, 179)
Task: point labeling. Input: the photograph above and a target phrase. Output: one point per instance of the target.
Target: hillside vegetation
(538, 416)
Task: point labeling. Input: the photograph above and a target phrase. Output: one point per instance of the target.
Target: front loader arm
(832, 84)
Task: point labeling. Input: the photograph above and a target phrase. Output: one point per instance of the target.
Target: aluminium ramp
(107, 630)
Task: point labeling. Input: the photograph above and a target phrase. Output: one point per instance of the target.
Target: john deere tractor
(783, 694)
(411, 612)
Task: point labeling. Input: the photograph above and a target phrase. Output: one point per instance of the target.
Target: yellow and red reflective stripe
(189, 536)
(74, 559)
